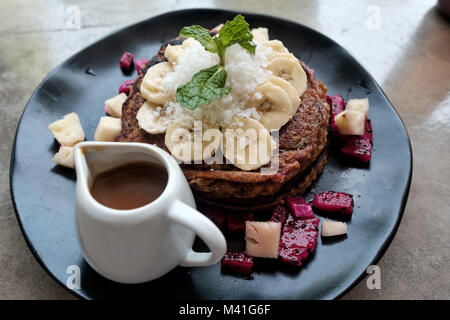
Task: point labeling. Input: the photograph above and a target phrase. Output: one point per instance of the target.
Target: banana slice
(152, 84)
(288, 67)
(273, 105)
(217, 28)
(290, 90)
(151, 119)
(260, 34)
(276, 45)
(172, 53)
(247, 144)
(113, 106)
(67, 131)
(64, 157)
(192, 144)
(107, 129)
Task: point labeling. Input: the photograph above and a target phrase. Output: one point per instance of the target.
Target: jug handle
(192, 219)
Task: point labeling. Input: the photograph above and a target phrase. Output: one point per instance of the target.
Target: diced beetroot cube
(236, 222)
(337, 104)
(298, 240)
(357, 148)
(140, 64)
(300, 208)
(237, 263)
(368, 130)
(280, 214)
(334, 202)
(334, 130)
(216, 215)
(126, 61)
(126, 86)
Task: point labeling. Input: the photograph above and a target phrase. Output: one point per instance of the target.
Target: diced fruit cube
(350, 122)
(216, 215)
(337, 104)
(113, 106)
(140, 64)
(334, 130)
(361, 105)
(334, 202)
(357, 148)
(333, 228)
(298, 240)
(126, 86)
(237, 263)
(300, 208)
(368, 130)
(67, 131)
(64, 157)
(262, 238)
(280, 214)
(236, 222)
(107, 129)
(126, 61)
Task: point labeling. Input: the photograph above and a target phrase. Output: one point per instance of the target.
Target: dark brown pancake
(302, 140)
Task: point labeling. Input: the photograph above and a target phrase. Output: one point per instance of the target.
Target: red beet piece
(140, 64)
(334, 202)
(328, 99)
(368, 130)
(300, 208)
(280, 214)
(236, 222)
(126, 86)
(298, 240)
(357, 148)
(337, 104)
(237, 263)
(216, 215)
(126, 61)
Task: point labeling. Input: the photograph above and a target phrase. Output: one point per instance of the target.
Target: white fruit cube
(350, 122)
(64, 157)
(108, 128)
(67, 131)
(361, 105)
(333, 228)
(262, 238)
(113, 106)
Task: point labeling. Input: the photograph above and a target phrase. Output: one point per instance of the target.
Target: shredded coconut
(244, 73)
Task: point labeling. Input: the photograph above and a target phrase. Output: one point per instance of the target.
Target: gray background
(409, 56)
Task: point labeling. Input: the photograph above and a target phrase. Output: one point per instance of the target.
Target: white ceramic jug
(138, 245)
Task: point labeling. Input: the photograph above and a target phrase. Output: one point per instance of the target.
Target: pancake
(302, 152)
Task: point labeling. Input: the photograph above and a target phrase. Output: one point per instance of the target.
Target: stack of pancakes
(302, 152)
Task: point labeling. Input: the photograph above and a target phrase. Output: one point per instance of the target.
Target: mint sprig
(201, 35)
(209, 84)
(206, 85)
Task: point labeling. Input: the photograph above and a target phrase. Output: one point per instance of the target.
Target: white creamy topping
(244, 73)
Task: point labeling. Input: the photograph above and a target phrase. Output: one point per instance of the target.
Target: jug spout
(93, 157)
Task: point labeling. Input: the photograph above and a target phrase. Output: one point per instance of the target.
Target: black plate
(43, 194)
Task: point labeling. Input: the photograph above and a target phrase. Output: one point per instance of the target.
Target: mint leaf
(206, 85)
(201, 35)
(209, 84)
(250, 46)
(237, 31)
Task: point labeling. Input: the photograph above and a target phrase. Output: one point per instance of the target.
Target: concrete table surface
(405, 45)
